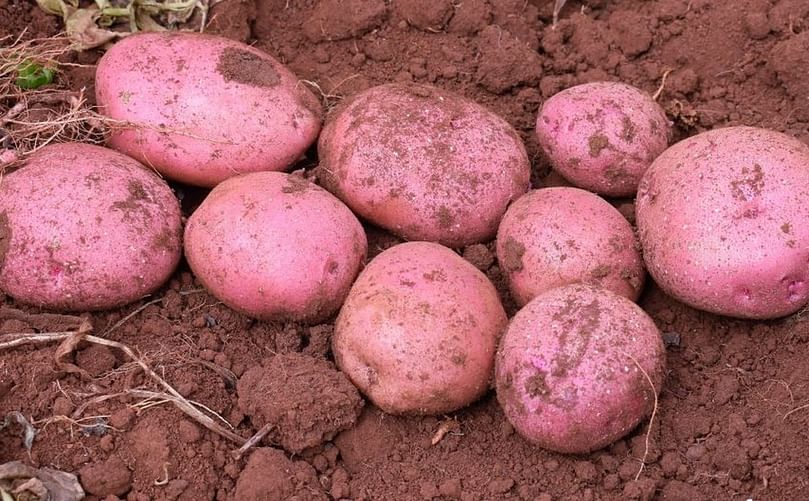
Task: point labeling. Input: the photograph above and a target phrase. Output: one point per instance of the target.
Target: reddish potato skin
(423, 163)
(276, 247)
(418, 331)
(202, 108)
(722, 221)
(86, 228)
(558, 236)
(568, 368)
(602, 136)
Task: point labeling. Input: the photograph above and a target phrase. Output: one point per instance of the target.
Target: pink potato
(418, 331)
(424, 163)
(722, 222)
(559, 236)
(202, 108)
(276, 247)
(602, 136)
(571, 370)
(85, 228)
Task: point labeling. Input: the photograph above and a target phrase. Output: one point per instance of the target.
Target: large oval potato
(572, 368)
(275, 246)
(602, 136)
(85, 228)
(418, 331)
(558, 236)
(201, 108)
(722, 221)
(424, 163)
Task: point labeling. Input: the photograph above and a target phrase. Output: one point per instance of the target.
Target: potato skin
(418, 331)
(85, 228)
(602, 136)
(567, 369)
(204, 108)
(558, 236)
(722, 221)
(424, 163)
(276, 247)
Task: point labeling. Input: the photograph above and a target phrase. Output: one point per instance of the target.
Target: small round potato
(201, 108)
(559, 236)
(424, 163)
(576, 368)
(418, 331)
(602, 136)
(722, 222)
(276, 247)
(85, 228)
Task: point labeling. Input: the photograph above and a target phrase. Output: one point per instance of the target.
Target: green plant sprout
(31, 75)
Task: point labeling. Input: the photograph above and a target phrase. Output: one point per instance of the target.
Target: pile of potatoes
(418, 329)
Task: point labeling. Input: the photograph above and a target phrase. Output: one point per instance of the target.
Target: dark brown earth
(733, 414)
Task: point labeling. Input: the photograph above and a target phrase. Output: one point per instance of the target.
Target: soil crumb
(311, 404)
(269, 474)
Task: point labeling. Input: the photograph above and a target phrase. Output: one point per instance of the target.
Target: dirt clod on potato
(308, 406)
(512, 258)
(597, 142)
(5, 237)
(247, 68)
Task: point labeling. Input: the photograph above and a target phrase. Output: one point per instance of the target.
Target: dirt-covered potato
(559, 236)
(201, 108)
(424, 163)
(418, 331)
(602, 136)
(572, 368)
(722, 221)
(85, 228)
(275, 246)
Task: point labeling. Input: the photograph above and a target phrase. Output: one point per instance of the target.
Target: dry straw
(31, 118)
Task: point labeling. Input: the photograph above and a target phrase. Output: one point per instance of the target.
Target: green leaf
(31, 75)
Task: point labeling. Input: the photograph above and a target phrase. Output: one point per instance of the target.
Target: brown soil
(732, 421)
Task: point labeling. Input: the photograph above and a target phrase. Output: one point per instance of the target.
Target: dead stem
(148, 394)
(226, 374)
(660, 89)
(252, 441)
(557, 8)
(124, 320)
(76, 422)
(796, 409)
(40, 321)
(651, 419)
(70, 340)
(21, 338)
(95, 400)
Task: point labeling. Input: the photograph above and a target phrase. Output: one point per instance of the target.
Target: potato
(85, 228)
(571, 370)
(423, 163)
(418, 331)
(602, 136)
(722, 221)
(202, 108)
(275, 247)
(559, 236)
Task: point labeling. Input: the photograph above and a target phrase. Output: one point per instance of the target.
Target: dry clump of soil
(732, 414)
(305, 400)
